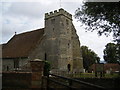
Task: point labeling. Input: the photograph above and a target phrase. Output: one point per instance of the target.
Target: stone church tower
(62, 46)
(57, 43)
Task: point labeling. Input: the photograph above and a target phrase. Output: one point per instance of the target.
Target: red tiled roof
(107, 66)
(21, 45)
(114, 67)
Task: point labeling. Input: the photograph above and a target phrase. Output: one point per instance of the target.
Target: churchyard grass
(92, 75)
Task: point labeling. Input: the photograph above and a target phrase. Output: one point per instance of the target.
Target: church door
(68, 66)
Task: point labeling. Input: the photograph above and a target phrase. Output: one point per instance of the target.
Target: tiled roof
(20, 45)
(114, 67)
(108, 66)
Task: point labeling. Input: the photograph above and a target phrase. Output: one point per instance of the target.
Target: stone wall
(76, 51)
(8, 64)
(39, 50)
(17, 80)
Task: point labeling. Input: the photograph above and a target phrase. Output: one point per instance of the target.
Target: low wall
(16, 79)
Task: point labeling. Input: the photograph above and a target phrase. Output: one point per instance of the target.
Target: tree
(104, 17)
(111, 53)
(89, 57)
(118, 52)
(47, 68)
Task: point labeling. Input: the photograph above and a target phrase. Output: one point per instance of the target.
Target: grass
(92, 75)
(111, 75)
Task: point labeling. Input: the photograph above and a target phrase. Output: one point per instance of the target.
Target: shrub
(47, 68)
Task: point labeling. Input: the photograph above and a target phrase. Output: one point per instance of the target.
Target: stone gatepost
(37, 67)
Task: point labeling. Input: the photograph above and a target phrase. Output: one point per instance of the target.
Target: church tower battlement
(59, 12)
(62, 42)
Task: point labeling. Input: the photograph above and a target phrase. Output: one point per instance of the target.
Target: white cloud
(42, 1)
(102, 0)
(32, 10)
(93, 41)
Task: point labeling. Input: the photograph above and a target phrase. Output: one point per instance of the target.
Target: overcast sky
(28, 15)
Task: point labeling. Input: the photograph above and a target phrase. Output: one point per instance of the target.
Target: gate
(55, 82)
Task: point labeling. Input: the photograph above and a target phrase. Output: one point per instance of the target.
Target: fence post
(37, 67)
(70, 84)
(48, 82)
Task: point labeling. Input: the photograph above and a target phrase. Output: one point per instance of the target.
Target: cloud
(42, 1)
(102, 0)
(71, 6)
(93, 41)
(31, 10)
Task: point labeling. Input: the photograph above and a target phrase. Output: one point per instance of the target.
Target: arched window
(68, 45)
(69, 67)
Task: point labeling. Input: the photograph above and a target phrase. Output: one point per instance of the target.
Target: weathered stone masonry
(62, 42)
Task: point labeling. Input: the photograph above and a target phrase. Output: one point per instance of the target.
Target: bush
(47, 68)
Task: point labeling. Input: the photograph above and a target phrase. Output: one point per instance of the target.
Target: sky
(26, 15)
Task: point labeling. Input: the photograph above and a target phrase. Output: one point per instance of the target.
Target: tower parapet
(59, 12)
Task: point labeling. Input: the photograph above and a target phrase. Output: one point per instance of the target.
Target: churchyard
(92, 75)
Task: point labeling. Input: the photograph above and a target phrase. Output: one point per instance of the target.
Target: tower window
(45, 56)
(68, 45)
(53, 29)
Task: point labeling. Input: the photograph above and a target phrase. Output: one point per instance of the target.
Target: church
(57, 43)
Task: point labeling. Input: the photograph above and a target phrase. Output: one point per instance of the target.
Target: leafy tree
(112, 53)
(89, 57)
(118, 52)
(104, 17)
